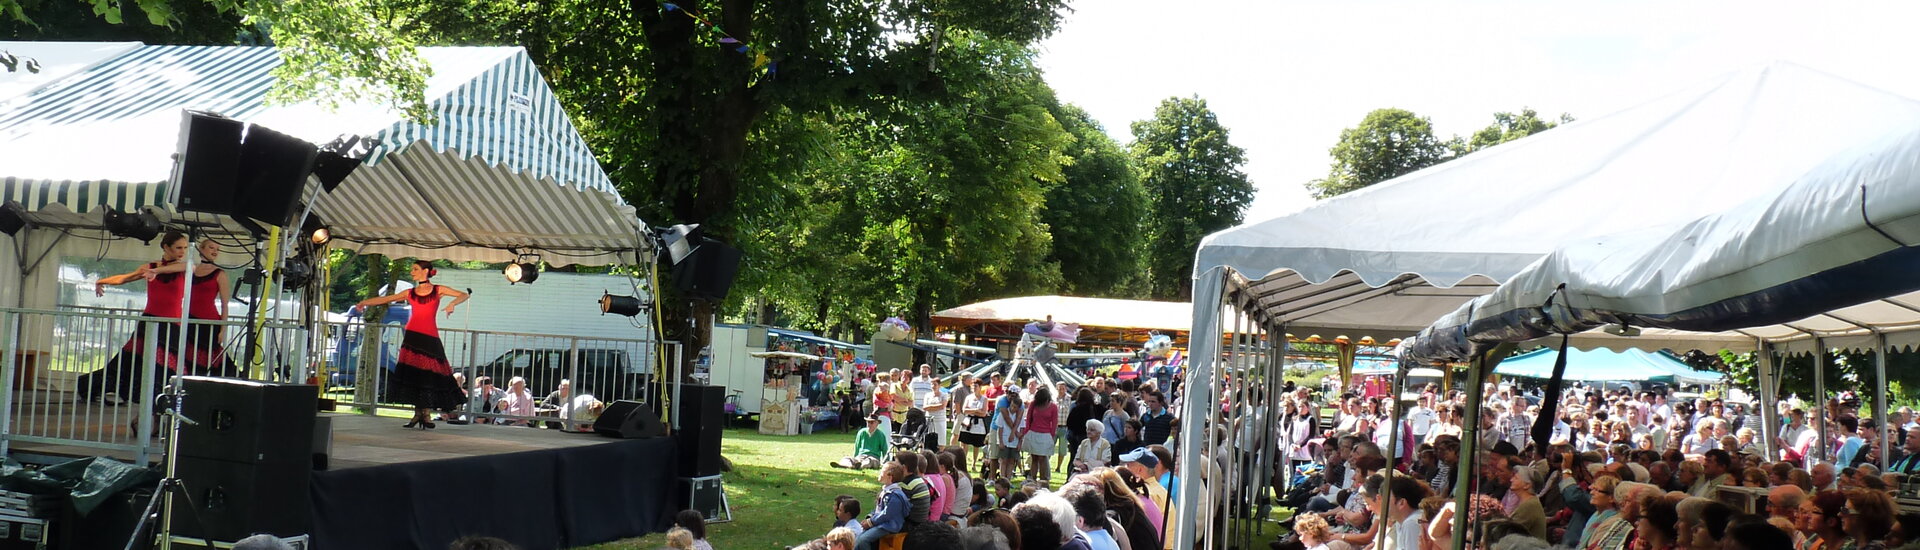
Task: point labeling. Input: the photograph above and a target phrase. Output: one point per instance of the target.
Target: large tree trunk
(701, 138)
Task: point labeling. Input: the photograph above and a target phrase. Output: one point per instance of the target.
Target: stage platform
(393, 487)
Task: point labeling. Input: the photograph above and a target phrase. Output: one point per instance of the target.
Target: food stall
(781, 390)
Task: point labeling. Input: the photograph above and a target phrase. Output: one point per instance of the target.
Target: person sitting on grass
(889, 509)
(869, 447)
(695, 524)
(846, 515)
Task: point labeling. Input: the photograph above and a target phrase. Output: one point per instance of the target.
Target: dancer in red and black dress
(423, 378)
(205, 354)
(120, 376)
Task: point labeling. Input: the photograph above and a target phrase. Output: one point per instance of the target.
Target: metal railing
(597, 370)
(69, 394)
(78, 379)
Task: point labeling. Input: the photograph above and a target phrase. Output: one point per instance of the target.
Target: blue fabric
(1602, 364)
(890, 514)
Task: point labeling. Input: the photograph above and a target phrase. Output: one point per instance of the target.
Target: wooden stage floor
(358, 440)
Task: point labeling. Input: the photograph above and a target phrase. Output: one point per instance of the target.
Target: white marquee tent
(1387, 260)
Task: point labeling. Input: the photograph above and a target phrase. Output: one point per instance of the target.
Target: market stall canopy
(1127, 319)
(783, 355)
(1831, 256)
(1597, 365)
(501, 168)
(1387, 260)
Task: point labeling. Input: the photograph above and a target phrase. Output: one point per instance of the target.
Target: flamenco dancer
(423, 378)
(164, 290)
(211, 293)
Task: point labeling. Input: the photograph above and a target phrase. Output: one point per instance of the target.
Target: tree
(1508, 127)
(932, 202)
(1387, 144)
(1193, 180)
(1097, 212)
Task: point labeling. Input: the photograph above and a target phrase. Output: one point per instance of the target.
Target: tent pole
(1880, 399)
(1393, 461)
(1820, 397)
(1469, 448)
(1768, 400)
(1203, 353)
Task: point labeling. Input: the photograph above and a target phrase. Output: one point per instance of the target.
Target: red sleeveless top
(164, 293)
(424, 310)
(206, 296)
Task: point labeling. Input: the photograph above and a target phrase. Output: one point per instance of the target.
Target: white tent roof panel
(1830, 256)
(1480, 219)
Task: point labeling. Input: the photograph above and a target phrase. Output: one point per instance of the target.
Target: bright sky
(1286, 76)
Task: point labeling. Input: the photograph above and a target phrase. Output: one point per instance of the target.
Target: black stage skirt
(121, 375)
(422, 378)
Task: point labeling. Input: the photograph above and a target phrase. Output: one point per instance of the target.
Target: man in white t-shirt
(921, 385)
(935, 403)
(1421, 417)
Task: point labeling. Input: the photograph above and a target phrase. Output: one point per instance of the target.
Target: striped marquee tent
(500, 171)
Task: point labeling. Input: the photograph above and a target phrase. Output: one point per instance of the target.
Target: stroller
(912, 433)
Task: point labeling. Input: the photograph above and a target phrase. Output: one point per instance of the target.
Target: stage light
(315, 230)
(337, 159)
(521, 273)
(13, 217)
(321, 236)
(680, 241)
(620, 305)
(296, 273)
(143, 226)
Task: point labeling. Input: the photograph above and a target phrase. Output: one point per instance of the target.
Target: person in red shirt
(120, 375)
(422, 376)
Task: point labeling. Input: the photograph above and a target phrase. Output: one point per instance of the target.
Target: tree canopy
(1387, 144)
(1194, 186)
(1097, 212)
(1390, 143)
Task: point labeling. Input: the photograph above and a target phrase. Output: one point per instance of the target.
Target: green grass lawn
(781, 490)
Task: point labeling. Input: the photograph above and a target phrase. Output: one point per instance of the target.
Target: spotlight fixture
(316, 230)
(680, 240)
(523, 271)
(620, 305)
(338, 158)
(143, 226)
(13, 217)
(296, 273)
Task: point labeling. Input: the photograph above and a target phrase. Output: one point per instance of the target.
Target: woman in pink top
(1043, 417)
(942, 483)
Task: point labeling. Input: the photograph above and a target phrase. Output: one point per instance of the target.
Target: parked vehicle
(346, 349)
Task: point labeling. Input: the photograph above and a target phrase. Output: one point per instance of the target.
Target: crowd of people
(983, 478)
(1620, 470)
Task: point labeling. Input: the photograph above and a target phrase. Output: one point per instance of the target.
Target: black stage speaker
(701, 423)
(207, 163)
(707, 273)
(273, 170)
(248, 461)
(248, 420)
(629, 419)
(237, 500)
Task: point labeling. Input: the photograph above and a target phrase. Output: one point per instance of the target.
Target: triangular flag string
(763, 66)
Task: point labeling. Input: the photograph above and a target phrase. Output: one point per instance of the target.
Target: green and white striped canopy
(502, 168)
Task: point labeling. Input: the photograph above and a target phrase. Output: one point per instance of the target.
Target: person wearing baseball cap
(1141, 463)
